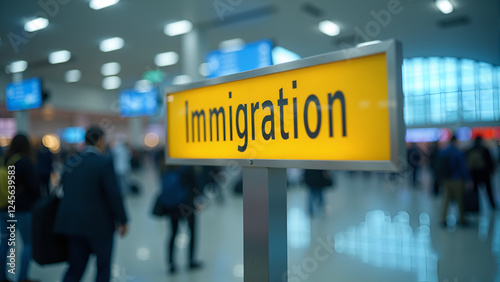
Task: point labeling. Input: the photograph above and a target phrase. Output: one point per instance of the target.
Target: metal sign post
(264, 224)
(342, 110)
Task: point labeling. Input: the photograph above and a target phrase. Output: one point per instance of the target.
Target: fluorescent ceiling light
(36, 24)
(112, 68)
(368, 43)
(18, 66)
(72, 76)
(166, 59)
(232, 45)
(445, 6)
(282, 55)
(177, 28)
(99, 4)
(111, 44)
(111, 82)
(329, 28)
(58, 57)
(181, 79)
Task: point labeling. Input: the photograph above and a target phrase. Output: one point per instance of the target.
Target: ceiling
(471, 31)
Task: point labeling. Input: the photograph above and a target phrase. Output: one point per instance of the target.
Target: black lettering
(230, 122)
(216, 112)
(312, 98)
(242, 134)
(340, 96)
(254, 108)
(268, 118)
(281, 103)
(295, 129)
(198, 115)
(187, 123)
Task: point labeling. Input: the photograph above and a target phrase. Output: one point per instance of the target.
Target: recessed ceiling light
(329, 28)
(181, 79)
(445, 6)
(18, 66)
(36, 24)
(111, 82)
(177, 28)
(100, 4)
(166, 59)
(368, 43)
(58, 57)
(112, 68)
(72, 76)
(111, 44)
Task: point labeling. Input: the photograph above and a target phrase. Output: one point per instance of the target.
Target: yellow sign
(332, 111)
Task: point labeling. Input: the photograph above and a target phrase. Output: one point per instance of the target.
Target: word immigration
(242, 119)
(325, 111)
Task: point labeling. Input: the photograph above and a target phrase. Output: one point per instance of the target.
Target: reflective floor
(374, 228)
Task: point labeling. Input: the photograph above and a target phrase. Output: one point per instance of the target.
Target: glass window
(468, 75)
(450, 74)
(485, 76)
(449, 90)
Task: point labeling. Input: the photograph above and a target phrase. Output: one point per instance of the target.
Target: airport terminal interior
(67, 65)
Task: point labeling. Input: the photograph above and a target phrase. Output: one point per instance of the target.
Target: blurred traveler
(44, 158)
(433, 163)
(317, 180)
(91, 209)
(454, 174)
(122, 157)
(177, 201)
(19, 155)
(481, 167)
(414, 162)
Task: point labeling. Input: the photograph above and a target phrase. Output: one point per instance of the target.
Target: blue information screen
(73, 135)
(24, 95)
(251, 56)
(137, 104)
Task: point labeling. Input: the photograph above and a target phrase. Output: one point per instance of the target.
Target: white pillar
(136, 131)
(194, 48)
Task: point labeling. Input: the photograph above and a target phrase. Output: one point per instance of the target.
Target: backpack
(475, 159)
(4, 179)
(173, 193)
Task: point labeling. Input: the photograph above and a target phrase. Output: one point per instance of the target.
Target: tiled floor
(380, 230)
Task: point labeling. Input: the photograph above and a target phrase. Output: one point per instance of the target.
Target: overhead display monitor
(133, 103)
(73, 135)
(249, 56)
(24, 95)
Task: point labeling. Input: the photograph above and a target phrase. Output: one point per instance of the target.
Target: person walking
(433, 163)
(481, 167)
(45, 160)
(27, 192)
(91, 209)
(454, 175)
(177, 201)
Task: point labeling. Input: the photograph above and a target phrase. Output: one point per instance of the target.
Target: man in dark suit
(91, 209)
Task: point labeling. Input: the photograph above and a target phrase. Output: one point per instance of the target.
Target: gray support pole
(136, 131)
(264, 224)
(22, 117)
(194, 47)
